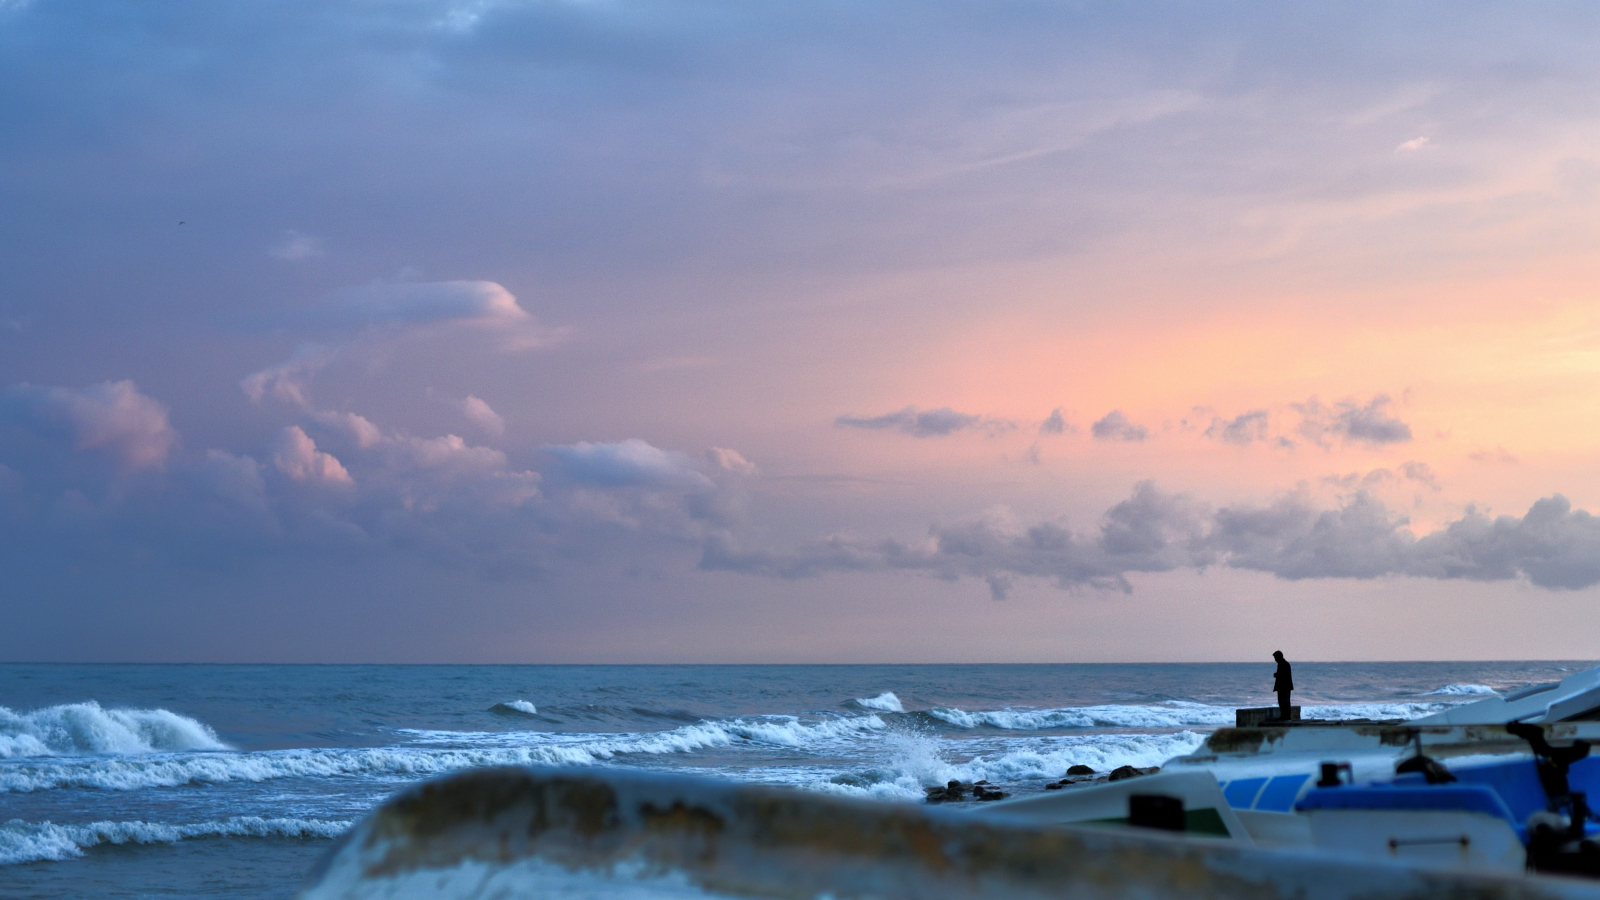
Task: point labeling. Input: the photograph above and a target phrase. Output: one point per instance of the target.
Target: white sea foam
(1466, 690)
(135, 773)
(915, 761)
(1170, 715)
(884, 702)
(75, 729)
(516, 706)
(22, 842)
(1375, 710)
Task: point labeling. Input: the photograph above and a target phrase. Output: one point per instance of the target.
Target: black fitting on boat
(1156, 811)
(1432, 770)
(1330, 775)
(1551, 762)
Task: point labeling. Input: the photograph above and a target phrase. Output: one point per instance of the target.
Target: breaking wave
(1176, 714)
(1375, 710)
(22, 842)
(515, 708)
(884, 702)
(1465, 690)
(76, 729)
(916, 761)
(128, 774)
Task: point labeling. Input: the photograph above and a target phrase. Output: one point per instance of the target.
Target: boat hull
(498, 832)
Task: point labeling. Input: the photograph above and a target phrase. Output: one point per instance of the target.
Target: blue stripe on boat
(1242, 792)
(1280, 792)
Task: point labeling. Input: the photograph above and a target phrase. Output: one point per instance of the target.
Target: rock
(1121, 772)
(979, 792)
(955, 791)
(952, 791)
(1081, 770)
(1053, 786)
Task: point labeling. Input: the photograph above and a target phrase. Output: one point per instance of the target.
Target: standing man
(1283, 683)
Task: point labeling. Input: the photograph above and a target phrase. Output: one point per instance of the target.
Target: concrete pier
(1263, 715)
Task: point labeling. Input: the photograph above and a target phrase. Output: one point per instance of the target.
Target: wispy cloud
(1115, 426)
(927, 423)
(296, 247)
(1241, 429)
(1056, 423)
(1350, 420)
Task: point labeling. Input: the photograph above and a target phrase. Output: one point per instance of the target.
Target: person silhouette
(1283, 683)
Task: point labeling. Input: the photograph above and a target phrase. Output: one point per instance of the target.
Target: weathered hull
(500, 832)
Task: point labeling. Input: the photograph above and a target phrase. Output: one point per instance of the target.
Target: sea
(231, 781)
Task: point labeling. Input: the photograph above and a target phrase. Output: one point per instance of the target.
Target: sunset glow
(591, 332)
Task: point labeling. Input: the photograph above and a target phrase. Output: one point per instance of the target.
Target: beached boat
(1507, 814)
(605, 832)
(1463, 787)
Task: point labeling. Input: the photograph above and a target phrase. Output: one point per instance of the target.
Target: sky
(572, 331)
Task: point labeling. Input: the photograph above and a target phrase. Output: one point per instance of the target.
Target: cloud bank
(1552, 546)
(102, 467)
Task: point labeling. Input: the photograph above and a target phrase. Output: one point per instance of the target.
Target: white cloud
(624, 463)
(287, 381)
(1413, 145)
(483, 415)
(111, 417)
(452, 317)
(730, 461)
(296, 455)
(357, 428)
(426, 302)
(295, 247)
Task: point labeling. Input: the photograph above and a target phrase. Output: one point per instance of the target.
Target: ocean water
(230, 781)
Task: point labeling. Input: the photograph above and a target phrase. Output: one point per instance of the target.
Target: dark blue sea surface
(230, 781)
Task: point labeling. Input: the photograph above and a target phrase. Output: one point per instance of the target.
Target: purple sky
(727, 332)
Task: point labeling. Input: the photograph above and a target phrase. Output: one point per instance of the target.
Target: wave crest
(22, 842)
(76, 729)
(916, 762)
(1407, 710)
(1464, 690)
(124, 774)
(1173, 715)
(515, 708)
(884, 702)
